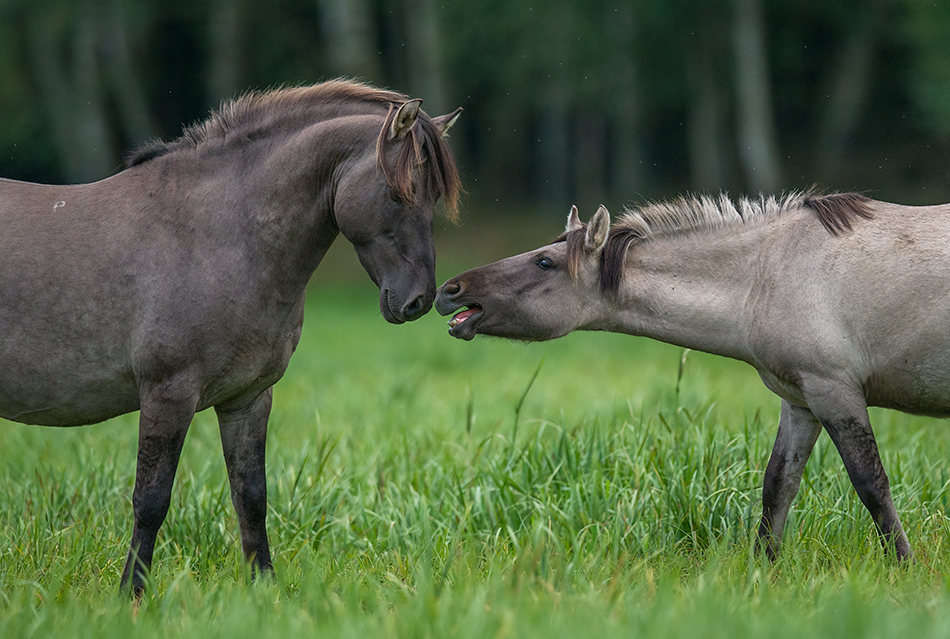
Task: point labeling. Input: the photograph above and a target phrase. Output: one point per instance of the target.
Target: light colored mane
(687, 214)
(704, 213)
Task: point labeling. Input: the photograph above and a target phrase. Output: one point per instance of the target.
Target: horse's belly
(65, 416)
(63, 399)
(920, 390)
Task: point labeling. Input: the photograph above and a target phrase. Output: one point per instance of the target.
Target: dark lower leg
(155, 474)
(243, 437)
(858, 448)
(797, 433)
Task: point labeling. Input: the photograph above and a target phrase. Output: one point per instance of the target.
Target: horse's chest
(253, 360)
(782, 386)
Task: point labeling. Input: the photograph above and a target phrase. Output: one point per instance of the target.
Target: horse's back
(892, 273)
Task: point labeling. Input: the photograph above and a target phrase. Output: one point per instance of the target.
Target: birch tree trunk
(224, 47)
(125, 85)
(847, 87)
(626, 170)
(72, 96)
(553, 143)
(347, 29)
(424, 42)
(758, 143)
(704, 125)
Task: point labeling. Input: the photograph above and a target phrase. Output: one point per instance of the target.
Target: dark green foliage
(565, 101)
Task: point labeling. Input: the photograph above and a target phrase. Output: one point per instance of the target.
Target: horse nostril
(451, 288)
(414, 308)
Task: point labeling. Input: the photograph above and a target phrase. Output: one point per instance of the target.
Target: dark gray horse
(178, 283)
(838, 301)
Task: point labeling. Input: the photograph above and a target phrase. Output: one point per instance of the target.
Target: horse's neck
(691, 291)
(295, 225)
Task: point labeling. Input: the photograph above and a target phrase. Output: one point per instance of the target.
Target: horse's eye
(545, 264)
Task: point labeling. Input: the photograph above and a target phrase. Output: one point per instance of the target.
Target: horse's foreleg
(243, 437)
(163, 423)
(798, 429)
(845, 417)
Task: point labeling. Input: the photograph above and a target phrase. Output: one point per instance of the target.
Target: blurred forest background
(566, 101)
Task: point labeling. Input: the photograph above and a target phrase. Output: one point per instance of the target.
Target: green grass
(424, 487)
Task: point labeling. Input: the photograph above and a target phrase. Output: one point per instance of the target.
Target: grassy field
(424, 487)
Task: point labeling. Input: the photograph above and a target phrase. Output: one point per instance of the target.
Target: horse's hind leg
(163, 423)
(798, 429)
(844, 415)
(243, 437)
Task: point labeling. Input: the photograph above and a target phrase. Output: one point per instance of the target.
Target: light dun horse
(838, 301)
(178, 283)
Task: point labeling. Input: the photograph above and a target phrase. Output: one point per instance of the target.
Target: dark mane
(424, 145)
(254, 113)
(612, 258)
(257, 110)
(836, 212)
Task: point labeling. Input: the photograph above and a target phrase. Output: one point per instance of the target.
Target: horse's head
(538, 295)
(385, 203)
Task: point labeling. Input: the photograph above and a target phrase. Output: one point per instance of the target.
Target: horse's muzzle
(396, 313)
(446, 298)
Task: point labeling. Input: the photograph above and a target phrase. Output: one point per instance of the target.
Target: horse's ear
(444, 122)
(405, 117)
(597, 230)
(573, 220)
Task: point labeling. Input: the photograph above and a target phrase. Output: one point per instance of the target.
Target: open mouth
(465, 315)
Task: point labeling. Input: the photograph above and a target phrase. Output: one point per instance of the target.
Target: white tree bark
(758, 142)
(72, 97)
(847, 87)
(347, 29)
(224, 44)
(424, 41)
(626, 170)
(704, 125)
